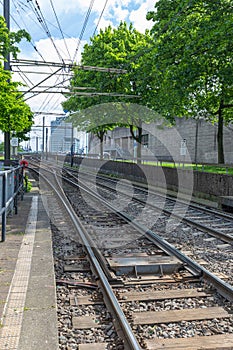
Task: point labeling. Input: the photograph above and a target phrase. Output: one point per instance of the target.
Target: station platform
(28, 315)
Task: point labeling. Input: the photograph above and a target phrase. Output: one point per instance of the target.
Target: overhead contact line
(59, 26)
(23, 62)
(84, 27)
(101, 15)
(42, 21)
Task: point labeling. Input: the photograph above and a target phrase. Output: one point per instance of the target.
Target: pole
(46, 142)
(37, 139)
(7, 147)
(43, 136)
(72, 147)
(196, 142)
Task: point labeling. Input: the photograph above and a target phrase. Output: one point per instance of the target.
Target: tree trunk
(221, 159)
(139, 145)
(196, 142)
(138, 138)
(100, 135)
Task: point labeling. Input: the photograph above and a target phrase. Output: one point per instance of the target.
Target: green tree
(2, 147)
(119, 48)
(97, 119)
(8, 40)
(15, 114)
(191, 70)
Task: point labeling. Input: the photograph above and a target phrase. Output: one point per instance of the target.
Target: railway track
(165, 300)
(214, 222)
(210, 247)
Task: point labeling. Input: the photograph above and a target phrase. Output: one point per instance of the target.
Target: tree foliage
(9, 39)
(112, 48)
(15, 114)
(192, 74)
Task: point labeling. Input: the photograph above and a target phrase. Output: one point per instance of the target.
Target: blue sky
(70, 16)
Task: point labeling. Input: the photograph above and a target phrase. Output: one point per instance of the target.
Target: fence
(11, 185)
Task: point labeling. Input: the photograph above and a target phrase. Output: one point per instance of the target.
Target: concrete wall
(200, 136)
(202, 184)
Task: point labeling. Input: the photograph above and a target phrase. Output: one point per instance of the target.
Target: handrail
(11, 184)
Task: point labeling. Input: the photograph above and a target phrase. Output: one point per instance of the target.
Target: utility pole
(7, 147)
(46, 143)
(43, 129)
(37, 139)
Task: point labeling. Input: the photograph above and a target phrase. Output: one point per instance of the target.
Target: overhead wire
(24, 77)
(50, 36)
(24, 7)
(64, 40)
(42, 81)
(34, 46)
(41, 19)
(100, 17)
(84, 27)
(42, 23)
(59, 26)
(29, 15)
(48, 99)
(32, 43)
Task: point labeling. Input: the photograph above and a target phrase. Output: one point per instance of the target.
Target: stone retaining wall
(203, 184)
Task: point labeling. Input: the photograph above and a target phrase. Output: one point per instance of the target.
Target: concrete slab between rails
(28, 299)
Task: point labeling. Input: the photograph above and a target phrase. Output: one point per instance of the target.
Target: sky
(59, 29)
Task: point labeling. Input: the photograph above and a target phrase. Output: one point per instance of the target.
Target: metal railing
(11, 185)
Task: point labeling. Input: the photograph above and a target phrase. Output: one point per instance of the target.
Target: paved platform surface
(28, 317)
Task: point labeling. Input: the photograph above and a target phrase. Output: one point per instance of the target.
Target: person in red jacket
(24, 163)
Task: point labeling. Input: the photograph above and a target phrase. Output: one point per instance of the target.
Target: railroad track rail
(214, 222)
(165, 299)
(210, 248)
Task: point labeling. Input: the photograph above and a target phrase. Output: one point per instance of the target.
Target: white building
(63, 136)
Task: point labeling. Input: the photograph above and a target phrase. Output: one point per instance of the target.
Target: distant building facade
(189, 140)
(63, 135)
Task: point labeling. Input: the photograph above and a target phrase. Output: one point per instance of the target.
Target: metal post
(46, 143)
(21, 182)
(4, 184)
(196, 142)
(7, 147)
(43, 136)
(16, 186)
(72, 147)
(37, 143)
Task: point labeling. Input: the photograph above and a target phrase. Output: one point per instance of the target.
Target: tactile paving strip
(13, 313)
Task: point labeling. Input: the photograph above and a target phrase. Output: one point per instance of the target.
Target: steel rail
(218, 234)
(130, 337)
(224, 288)
(170, 197)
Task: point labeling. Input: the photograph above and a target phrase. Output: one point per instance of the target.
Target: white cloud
(104, 23)
(120, 14)
(138, 17)
(78, 6)
(62, 6)
(65, 49)
(115, 11)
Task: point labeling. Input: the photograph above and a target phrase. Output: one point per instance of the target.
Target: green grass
(199, 167)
